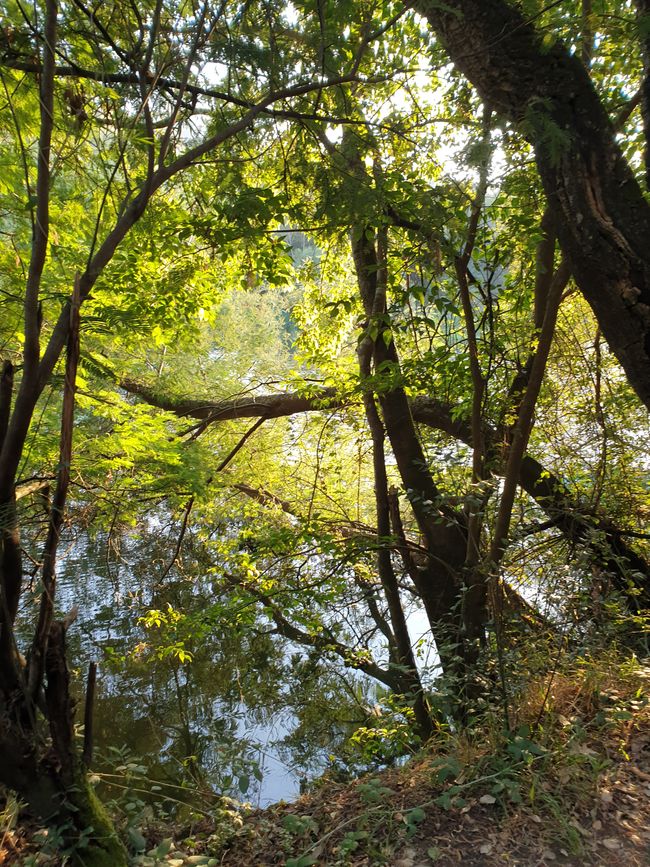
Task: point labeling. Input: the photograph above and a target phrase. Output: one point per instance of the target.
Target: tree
(124, 92)
(180, 150)
(603, 219)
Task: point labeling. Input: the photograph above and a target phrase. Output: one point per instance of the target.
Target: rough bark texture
(52, 780)
(602, 218)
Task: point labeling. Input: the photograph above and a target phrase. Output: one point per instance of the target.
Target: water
(251, 715)
(178, 719)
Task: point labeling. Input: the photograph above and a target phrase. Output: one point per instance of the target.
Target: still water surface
(171, 717)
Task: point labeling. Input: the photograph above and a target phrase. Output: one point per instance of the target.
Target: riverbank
(570, 786)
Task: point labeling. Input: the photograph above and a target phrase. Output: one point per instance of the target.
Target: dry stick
(544, 273)
(261, 495)
(34, 486)
(39, 645)
(188, 508)
(326, 643)
(516, 455)
(404, 545)
(87, 754)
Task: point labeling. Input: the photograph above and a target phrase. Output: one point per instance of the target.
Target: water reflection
(251, 715)
(186, 721)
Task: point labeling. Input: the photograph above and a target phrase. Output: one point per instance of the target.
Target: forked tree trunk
(439, 580)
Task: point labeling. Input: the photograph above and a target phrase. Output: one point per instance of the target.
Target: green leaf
(136, 839)
(415, 816)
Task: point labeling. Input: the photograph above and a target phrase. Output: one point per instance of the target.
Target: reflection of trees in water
(222, 717)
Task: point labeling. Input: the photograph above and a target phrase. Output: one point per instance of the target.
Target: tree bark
(408, 670)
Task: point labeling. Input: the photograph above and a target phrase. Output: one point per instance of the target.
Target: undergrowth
(568, 730)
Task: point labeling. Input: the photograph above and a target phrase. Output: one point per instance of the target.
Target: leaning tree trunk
(602, 218)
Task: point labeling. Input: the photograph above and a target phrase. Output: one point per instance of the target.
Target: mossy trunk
(86, 826)
(60, 795)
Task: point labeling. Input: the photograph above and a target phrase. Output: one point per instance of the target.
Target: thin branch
(461, 263)
(41, 635)
(525, 416)
(42, 216)
(224, 463)
(179, 542)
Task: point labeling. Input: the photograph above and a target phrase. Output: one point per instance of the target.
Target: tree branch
(42, 632)
(579, 524)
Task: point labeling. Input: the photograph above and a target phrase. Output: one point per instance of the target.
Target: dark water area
(176, 722)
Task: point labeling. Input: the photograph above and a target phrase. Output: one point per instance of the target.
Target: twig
(87, 754)
(224, 463)
(179, 541)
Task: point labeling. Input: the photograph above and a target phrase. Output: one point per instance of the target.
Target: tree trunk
(39, 758)
(405, 658)
(439, 581)
(48, 773)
